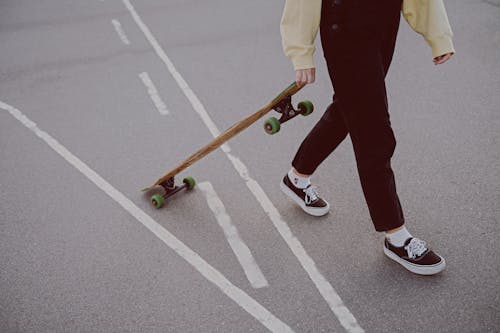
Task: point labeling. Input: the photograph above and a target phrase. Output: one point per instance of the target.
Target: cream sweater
(301, 18)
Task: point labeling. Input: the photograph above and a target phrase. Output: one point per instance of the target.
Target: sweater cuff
(441, 45)
(302, 61)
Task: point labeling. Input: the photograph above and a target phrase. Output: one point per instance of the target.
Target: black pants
(358, 39)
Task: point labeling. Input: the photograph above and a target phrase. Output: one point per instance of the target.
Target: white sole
(417, 269)
(309, 210)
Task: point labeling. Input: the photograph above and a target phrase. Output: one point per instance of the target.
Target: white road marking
(336, 304)
(153, 93)
(240, 249)
(120, 32)
(242, 299)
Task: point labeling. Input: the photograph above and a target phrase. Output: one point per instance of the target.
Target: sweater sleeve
(299, 27)
(429, 18)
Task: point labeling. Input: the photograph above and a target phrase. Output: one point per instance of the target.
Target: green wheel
(190, 182)
(272, 126)
(306, 108)
(157, 200)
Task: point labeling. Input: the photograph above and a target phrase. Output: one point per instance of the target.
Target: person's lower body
(358, 40)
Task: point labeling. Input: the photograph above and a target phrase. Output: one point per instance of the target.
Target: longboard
(281, 103)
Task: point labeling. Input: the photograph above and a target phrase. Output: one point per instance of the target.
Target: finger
(300, 78)
(446, 58)
(311, 75)
(297, 77)
(442, 59)
(437, 59)
(305, 76)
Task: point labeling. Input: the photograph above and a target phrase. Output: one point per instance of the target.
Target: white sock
(298, 181)
(399, 237)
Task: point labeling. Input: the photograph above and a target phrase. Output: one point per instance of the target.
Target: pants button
(337, 2)
(335, 27)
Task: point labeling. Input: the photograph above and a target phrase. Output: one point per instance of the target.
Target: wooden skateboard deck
(228, 134)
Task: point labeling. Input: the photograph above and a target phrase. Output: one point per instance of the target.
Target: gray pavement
(73, 259)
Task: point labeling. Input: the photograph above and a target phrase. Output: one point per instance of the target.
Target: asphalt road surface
(99, 98)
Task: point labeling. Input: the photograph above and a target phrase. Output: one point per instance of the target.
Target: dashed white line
(242, 299)
(120, 32)
(240, 249)
(345, 317)
(153, 93)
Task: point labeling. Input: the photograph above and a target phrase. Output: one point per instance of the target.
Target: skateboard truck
(287, 111)
(158, 200)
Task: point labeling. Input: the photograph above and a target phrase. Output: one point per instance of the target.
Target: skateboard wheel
(190, 182)
(157, 201)
(272, 126)
(306, 107)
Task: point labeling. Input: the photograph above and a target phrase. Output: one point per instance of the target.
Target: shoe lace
(311, 194)
(415, 248)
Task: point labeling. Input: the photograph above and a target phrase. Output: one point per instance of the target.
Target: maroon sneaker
(415, 256)
(307, 198)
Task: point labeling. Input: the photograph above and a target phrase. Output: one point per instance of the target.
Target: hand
(442, 58)
(305, 76)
